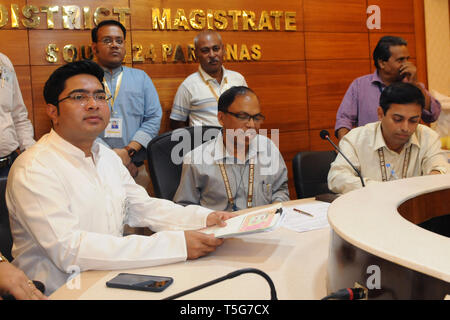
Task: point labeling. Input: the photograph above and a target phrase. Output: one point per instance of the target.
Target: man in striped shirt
(195, 102)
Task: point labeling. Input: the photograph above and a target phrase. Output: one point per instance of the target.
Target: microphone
(325, 135)
(273, 293)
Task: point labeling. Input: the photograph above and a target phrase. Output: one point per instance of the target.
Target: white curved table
(296, 262)
(368, 219)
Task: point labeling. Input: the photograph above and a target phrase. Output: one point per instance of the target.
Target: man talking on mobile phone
(69, 197)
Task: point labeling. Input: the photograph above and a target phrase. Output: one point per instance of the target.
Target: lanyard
(250, 185)
(383, 163)
(210, 86)
(116, 92)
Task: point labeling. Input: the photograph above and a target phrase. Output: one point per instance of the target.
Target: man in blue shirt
(135, 108)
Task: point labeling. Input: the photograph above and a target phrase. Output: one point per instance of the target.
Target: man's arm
(179, 117)
(14, 282)
(280, 191)
(24, 128)
(175, 124)
(151, 118)
(38, 199)
(435, 160)
(347, 114)
(340, 133)
(341, 177)
(432, 107)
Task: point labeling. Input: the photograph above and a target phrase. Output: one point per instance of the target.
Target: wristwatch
(130, 151)
(3, 259)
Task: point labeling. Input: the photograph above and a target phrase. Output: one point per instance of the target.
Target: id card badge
(114, 128)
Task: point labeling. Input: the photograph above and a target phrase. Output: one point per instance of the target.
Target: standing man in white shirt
(16, 130)
(195, 102)
(70, 196)
(393, 148)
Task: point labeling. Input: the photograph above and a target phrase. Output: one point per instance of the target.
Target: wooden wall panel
(335, 15)
(42, 122)
(396, 16)
(7, 5)
(40, 39)
(284, 104)
(142, 14)
(271, 44)
(409, 37)
(14, 44)
(300, 79)
(58, 17)
(24, 78)
(316, 143)
(328, 81)
(322, 46)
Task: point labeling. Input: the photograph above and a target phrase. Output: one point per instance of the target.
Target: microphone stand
(326, 136)
(273, 293)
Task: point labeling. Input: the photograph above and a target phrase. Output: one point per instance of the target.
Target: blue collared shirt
(137, 103)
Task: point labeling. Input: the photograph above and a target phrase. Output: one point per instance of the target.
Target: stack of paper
(301, 221)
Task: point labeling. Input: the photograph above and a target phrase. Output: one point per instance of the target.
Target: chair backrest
(165, 156)
(311, 171)
(5, 230)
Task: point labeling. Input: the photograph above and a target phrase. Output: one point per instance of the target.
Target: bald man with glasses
(238, 169)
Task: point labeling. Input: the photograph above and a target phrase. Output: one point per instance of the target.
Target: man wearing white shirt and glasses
(69, 197)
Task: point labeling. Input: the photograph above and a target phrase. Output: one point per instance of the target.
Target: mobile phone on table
(139, 282)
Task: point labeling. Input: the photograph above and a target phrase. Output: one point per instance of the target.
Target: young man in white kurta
(69, 197)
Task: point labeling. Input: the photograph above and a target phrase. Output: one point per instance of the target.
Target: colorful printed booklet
(258, 220)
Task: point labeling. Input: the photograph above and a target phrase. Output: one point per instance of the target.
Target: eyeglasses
(246, 117)
(82, 98)
(109, 41)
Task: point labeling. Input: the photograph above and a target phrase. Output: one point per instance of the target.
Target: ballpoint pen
(393, 174)
(304, 212)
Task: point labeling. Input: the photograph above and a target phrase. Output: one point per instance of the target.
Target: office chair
(5, 230)
(165, 156)
(311, 171)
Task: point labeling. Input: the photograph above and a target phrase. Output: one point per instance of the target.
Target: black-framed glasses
(82, 98)
(244, 116)
(109, 41)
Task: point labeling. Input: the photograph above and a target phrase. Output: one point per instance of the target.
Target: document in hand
(258, 220)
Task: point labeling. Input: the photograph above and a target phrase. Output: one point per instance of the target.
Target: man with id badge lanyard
(240, 168)
(195, 102)
(395, 147)
(135, 108)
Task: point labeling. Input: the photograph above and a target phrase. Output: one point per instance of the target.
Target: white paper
(233, 227)
(300, 222)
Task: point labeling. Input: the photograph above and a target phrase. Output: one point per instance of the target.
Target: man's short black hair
(94, 31)
(56, 83)
(401, 93)
(382, 49)
(227, 98)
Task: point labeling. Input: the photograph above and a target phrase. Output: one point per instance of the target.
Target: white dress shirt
(195, 98)
(67, 212)
(360, 146)
(16, 130)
